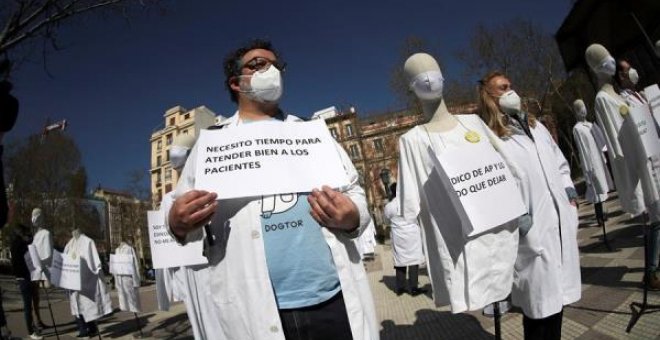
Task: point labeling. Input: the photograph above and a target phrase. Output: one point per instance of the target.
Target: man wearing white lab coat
(547, 271)
(248, 265)
(590, 142)
(93, 300)
(407, 248)
(127, 285)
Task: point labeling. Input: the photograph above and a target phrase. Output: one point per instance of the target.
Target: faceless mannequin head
(600, 61)
(424, 77)
(38, 220)
(180, 150)
(580, 110)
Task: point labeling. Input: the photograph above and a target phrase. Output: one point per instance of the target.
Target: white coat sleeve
(186, 183)
(94, 259)
(603, 112)
(354, 191)
(136, 269)
(585, 159)
(562, 165)
(406, 186)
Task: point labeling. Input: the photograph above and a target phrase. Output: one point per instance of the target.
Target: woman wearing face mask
(625, 82)
(547, 270)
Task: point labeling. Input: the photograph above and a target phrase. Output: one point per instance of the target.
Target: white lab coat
(366, 242)
(93, 300)
(127, 285)
(406, 237)
(43, 242)
(590, 141)
(625, 178)
(202, 312)
(238, 273)
(547, 272)
(466, 272)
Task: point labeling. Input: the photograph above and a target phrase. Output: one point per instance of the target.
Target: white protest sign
(638, 136)
(484, 185)
(652, 94)
(165, 251)
(33, 263)
(65, 271)
(267, 158)
(121, 264)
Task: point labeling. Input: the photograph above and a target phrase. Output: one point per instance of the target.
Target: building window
(333, 132)
(158, 160)
(168, 139)
(159, 145)
(378, 144)
(167, 155)
(168, 188)
(172, 120)
(360, 176)
(349, 130)
(168, 175)
(355, 152)
(186, 116)
(184, 132)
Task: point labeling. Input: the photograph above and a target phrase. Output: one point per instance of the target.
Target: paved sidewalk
(611, 282)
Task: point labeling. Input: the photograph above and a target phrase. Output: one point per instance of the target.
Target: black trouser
(86, 327)
(327, 320)
(413, 275)
(25, 286)
(548, 328)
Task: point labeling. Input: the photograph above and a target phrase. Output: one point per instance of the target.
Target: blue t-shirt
(299, 260)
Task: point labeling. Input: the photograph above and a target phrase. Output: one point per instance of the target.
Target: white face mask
(178, 156)
(510, 102)
(428, 85)
(264, 86)
(633, 75)
(607, 67)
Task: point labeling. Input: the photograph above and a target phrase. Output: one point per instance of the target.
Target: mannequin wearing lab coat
(43, 242)
(93, 300)
(644, 170)
(547, 271)
(407, 248)
(608, 105)
(466, 272)
(590, 142)
(127, 285)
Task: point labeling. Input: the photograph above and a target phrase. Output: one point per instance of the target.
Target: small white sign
(652, 94)
(485, 186)
(65, 271)
(34, 263)
(267, 158)
(121, 264)
(165, 251)
(645, 128)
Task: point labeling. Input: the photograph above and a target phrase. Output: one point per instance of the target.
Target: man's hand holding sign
(333, 209)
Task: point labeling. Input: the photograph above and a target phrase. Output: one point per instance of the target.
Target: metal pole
(137, 320)
(496, 313)
(50, 308)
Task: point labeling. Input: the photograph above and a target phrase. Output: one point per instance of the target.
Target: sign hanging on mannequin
(639, 132)
(65, 271)
(485, 186)
(165, 251)
(33, 263)
(121, 264)
(652, 94)
(267, 158)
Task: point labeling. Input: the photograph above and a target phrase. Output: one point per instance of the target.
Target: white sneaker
(36, 336)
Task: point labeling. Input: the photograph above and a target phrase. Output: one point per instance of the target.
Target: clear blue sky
(114, 80)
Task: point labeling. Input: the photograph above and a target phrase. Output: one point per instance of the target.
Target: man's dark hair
(232, 63)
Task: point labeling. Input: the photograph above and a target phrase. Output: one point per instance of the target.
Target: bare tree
(519, 48)
(24, 23)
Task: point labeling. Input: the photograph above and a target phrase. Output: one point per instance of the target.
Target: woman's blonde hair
(489, 110)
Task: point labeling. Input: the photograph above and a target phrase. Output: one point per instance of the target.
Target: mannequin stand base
(496, 310)
(639, 309)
